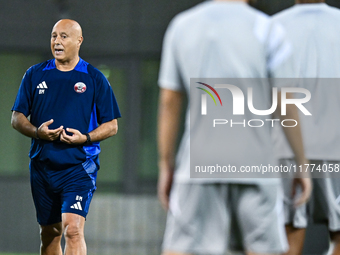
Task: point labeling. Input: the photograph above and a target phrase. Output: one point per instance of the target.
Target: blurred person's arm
(170, 105)
(281, 64)
(294, 138)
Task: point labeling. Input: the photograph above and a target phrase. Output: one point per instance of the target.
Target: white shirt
(222, 40)
(314, 31)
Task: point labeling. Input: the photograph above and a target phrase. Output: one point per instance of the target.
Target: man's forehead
(66, 27)
(60, 31)
(62, 27)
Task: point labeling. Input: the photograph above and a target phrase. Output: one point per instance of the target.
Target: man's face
(65, 41)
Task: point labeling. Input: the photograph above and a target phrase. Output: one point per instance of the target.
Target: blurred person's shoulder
(285, 14)
(332, 10)
(189, 14)
(214, 12)
(208, 8)
(302, 9)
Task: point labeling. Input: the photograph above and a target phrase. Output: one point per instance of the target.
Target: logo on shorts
(77, 205)
(80, 87)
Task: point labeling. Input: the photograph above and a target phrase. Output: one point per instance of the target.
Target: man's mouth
(58, 51)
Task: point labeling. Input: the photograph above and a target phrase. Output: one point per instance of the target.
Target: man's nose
(57, 40)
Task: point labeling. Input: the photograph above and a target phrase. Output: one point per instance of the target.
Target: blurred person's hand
(165, 179)
(304, 182)
(169, 112)
(306, 189)
(294, 137)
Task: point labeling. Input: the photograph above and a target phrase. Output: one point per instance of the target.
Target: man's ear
(80, 41)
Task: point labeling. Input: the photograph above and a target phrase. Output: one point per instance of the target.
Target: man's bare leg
(50, 239)
(73, 226)
(335, 239)
(296, 238)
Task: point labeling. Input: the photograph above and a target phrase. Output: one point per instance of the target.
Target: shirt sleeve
(24, 97)
(106, 104)
(169, 74)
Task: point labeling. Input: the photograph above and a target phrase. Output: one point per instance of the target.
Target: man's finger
(72, 130)
(64, 137)
(301, 200)
(293, 191)
(57, 130)
(49, 122)
(306, 186)
(63, 134)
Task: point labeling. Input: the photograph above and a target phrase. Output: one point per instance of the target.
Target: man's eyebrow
(63, 33)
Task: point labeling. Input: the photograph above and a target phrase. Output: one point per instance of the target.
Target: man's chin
(59, 59)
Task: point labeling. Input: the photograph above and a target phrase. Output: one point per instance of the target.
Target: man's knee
(73, 231)
(51, 232)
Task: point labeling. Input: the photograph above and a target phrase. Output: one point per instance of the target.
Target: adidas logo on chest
(42, 86)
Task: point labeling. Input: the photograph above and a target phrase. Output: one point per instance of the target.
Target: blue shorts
(65, 191)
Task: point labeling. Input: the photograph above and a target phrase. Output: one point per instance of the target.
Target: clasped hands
(43, 132)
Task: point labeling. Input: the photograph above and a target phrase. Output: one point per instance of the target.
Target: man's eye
(64, 36)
